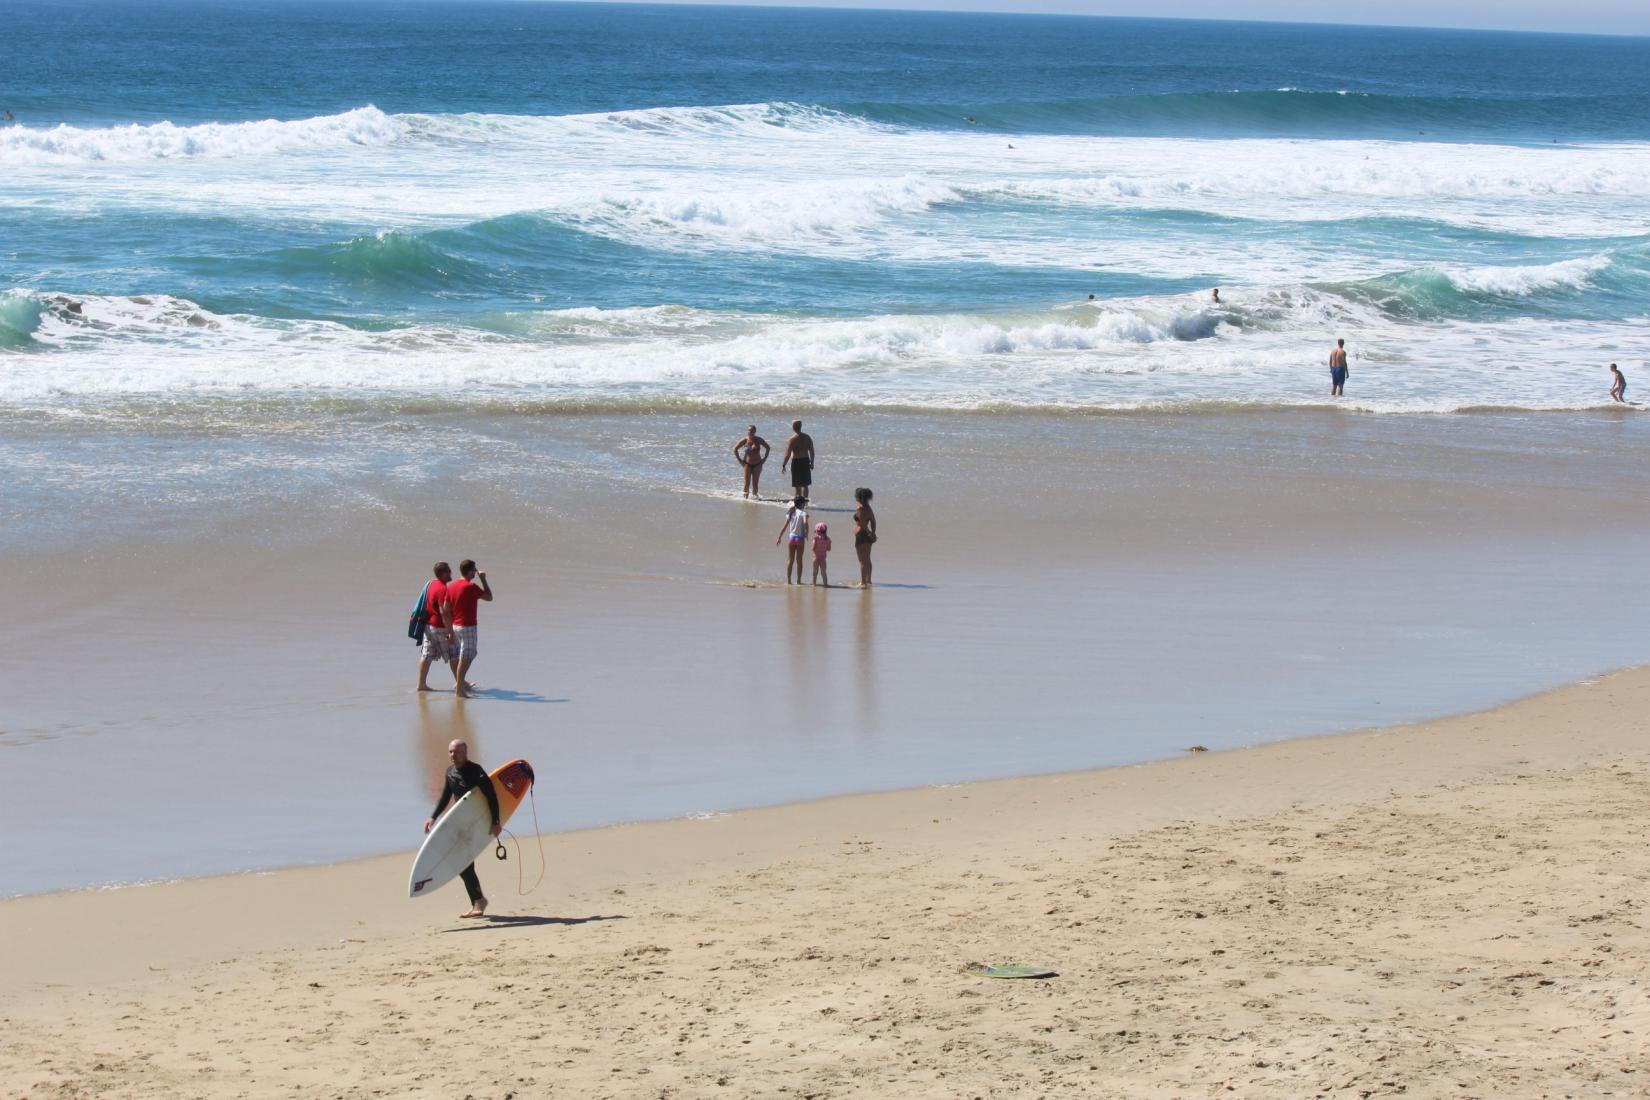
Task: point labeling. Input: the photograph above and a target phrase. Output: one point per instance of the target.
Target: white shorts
(438, 645)
(464, 642)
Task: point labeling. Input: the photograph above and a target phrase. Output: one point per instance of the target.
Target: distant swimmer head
(862, 495)
(1091, 297)
(1215, 294)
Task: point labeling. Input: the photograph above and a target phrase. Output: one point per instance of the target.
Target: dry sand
(1451, 909)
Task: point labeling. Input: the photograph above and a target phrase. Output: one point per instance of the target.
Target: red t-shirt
(464, 596)
(434, 596)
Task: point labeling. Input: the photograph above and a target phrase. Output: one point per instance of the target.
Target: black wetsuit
(460, 780)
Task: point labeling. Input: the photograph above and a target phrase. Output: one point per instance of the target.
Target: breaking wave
(364, 126)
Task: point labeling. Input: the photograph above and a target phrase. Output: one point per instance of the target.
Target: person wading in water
(752, 451)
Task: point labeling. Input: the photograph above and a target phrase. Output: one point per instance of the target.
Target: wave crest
(364, 126)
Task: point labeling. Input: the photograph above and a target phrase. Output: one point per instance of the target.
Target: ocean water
(328, 207)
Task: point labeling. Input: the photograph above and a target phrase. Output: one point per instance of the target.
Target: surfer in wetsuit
(752, 451)
(463, 775)
(799, 456)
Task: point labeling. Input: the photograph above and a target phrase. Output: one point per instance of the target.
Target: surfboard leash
(501, 852)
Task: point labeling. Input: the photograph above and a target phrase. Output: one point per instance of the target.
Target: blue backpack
(420, 617)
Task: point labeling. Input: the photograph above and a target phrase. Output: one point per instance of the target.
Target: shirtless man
(752, 451)
(1618, 388)
(799, 456)
(1338, 371)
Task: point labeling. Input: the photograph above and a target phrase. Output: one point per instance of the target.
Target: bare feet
(423, 687)
(479, 909)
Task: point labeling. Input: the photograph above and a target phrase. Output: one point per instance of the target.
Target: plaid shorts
(464, 642)
(438, 646)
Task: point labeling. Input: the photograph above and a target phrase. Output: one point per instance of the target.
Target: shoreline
(1138, 589)
(22, 917)
(824, 800)
(1456, 901)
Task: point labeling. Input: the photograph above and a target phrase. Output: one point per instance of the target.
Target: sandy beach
(1453, 908)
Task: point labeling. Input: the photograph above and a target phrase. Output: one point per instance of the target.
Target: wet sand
(216, 653)
(1454, 908)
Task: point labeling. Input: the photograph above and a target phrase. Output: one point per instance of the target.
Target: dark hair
(466, 567)
(862, 495)
(796, 425)
(442, 567)
(1340, 343)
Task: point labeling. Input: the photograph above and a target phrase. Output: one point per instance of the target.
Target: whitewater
(994, 247)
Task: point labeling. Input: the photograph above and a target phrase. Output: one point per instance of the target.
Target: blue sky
(1588, 16)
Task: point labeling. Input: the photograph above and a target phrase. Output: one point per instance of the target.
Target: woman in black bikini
(865, 533)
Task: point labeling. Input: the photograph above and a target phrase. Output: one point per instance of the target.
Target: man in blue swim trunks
(1337, 368)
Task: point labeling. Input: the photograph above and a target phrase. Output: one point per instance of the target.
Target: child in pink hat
(822, 546)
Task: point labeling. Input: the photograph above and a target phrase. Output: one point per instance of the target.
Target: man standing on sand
(1337, 369)
(752, 451)
(1618, 388)
(464, 774)
(438, 640)
(799, 456)
(464, 597)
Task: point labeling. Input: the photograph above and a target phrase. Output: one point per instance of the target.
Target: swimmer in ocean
(1618, 388)
(1215, 297)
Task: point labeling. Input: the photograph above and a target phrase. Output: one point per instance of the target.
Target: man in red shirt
(438, 645)
(464, 596)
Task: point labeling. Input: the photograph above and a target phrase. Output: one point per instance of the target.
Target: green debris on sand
(1009, 970)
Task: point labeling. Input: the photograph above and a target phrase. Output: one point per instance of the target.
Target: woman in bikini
(865, 533)
(752, 452)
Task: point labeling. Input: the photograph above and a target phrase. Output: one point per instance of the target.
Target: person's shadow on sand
(509, 696)
(526, 921)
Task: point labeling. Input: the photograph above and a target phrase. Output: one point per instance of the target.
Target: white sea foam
(790, 216)
(364, 126)
(1521, 282)
(1145, 353)
(789, 176)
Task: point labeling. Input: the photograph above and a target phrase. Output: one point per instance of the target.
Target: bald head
(458, 752)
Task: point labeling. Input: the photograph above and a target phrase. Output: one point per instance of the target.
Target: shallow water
(223, 671)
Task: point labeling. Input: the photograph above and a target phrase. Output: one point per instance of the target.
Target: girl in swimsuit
(795, 534)
(865, 533)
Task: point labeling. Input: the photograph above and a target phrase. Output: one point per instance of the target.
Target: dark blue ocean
(583, 205)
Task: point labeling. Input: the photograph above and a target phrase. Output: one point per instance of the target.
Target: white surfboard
(465, 830)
